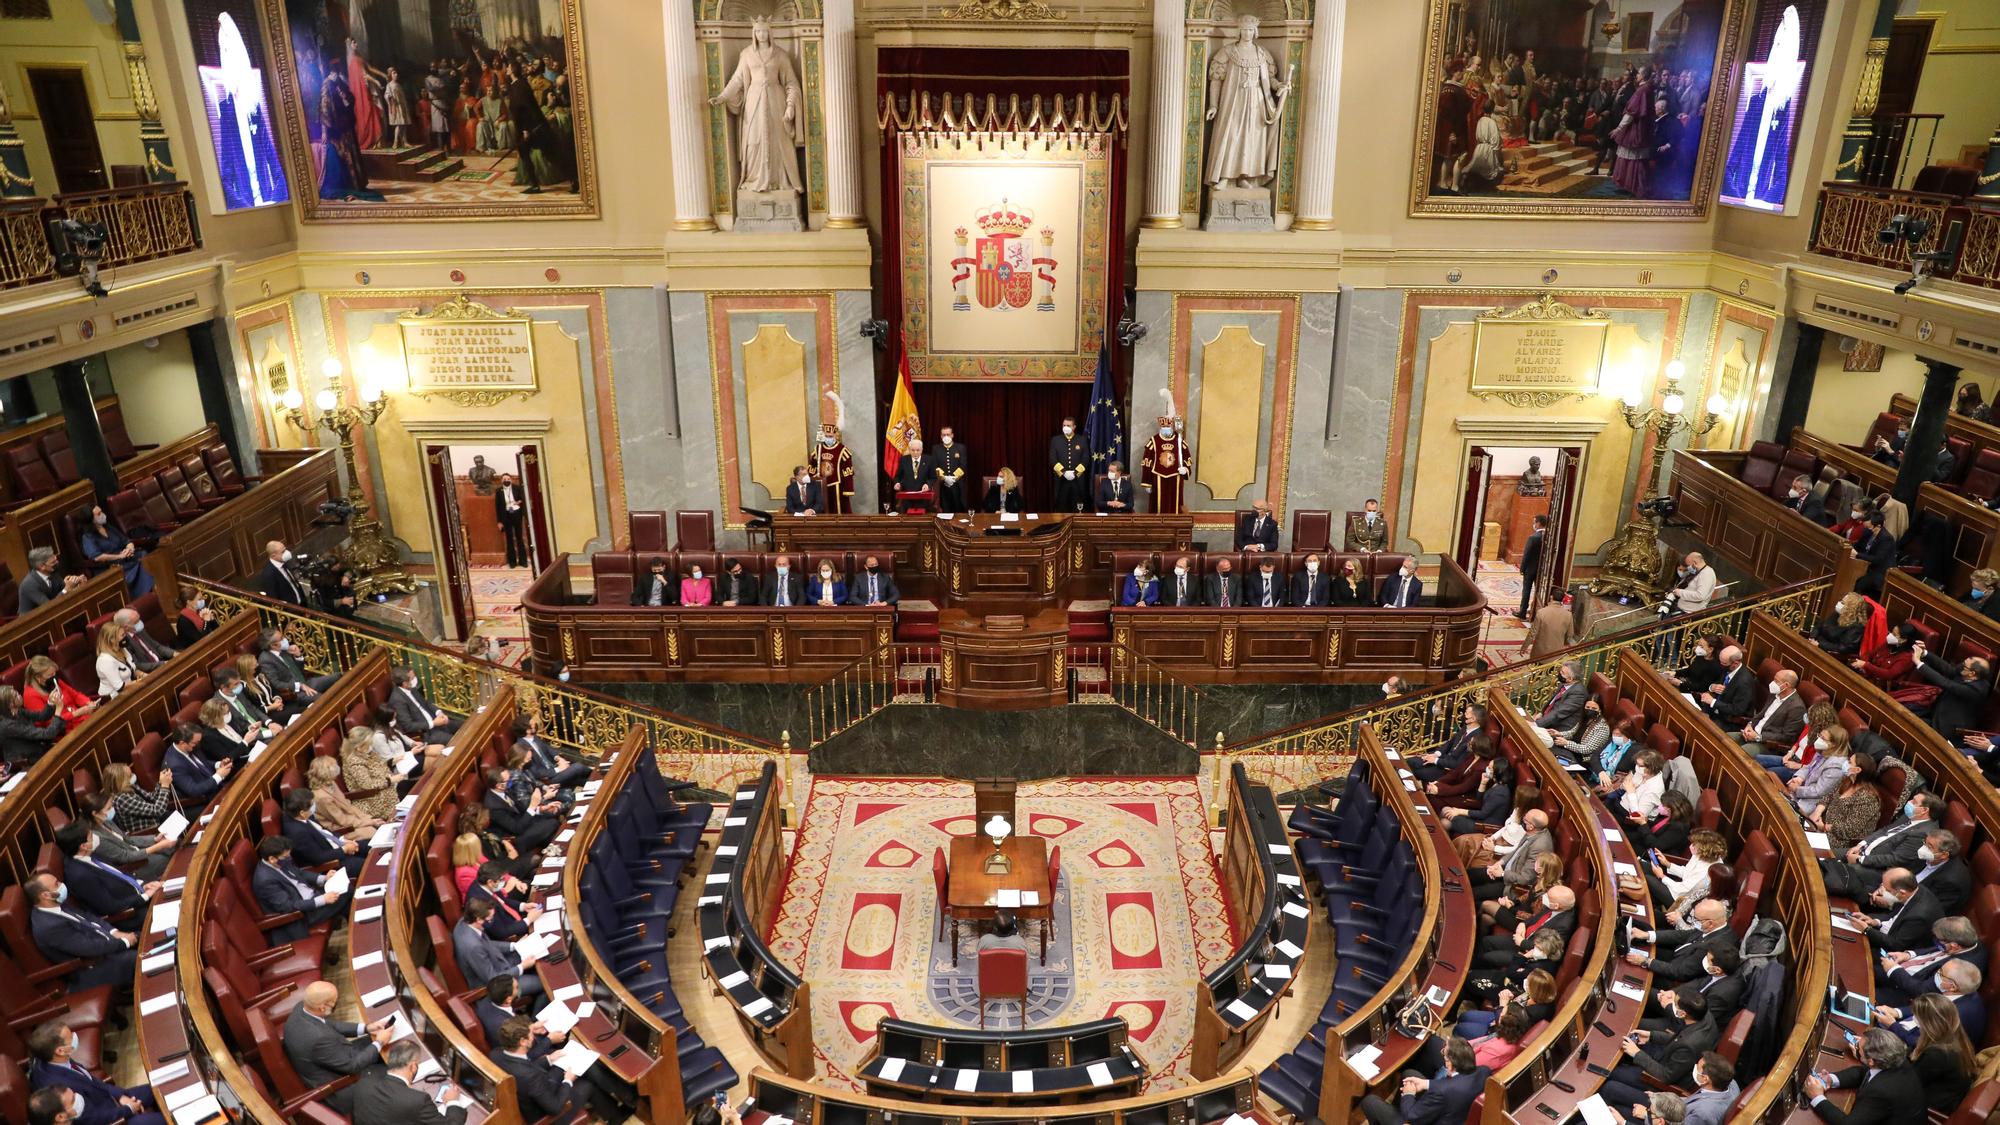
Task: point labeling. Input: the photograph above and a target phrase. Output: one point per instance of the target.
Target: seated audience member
(1777, 724)
(388, 1095)
(261, 695)
(415, 716)
(1640, 794)
(1839, 632)
(1718, 986)
(1704, 666)
(1555, 911)
(498, 1006)
(114, 667)
(322, 1048)
(1957, 991)
(195, 621)
(1942, 1051)
(1508, 854)
(1666, 830)
(1583, 744)
(1902, 975)
(1495, 789)
(279, 660)
(1819, 779)
(1852, 810)
(41, 585)
(331, 808)
(805, 495)
(1897, 844)
(371, 785)
(697, 587)
(94, 884)
(482, 957)
(1478, 848)
(1434, 764)
(44, 683)
(872, 587)
(1394, 687)
(1683, 883)
(1898, 914)
(1820, 718)
(541, 1087)
(1668, 1055)
(1660, 1108)
(66, 932)
(1004, 494)
(1677, 954)
(547, 765)
(1267, 589)
(313, 843)
(1470, 774)
(1182, 588)
(147, 651)
(194, 777)
(1544, 953)
(283, 887)
(1731, 699)
(146, 853)
(1616, 758)
(1537, 999)
(1140, 588)
(783, 587)
(391, 744)
(1519, 898)
(493, 845)
(1348, 588)
(1878, 549)
(1980, 597)
(1311, 586)
(1962, 690)
(1115, 494)
(1224, 588)
(512, 914)
(106, 544)
(1402, 589)
(53, 1048)
(218, 741)
(827, 587)
(656, 586)
(736, 587)
(1887, 1086)
(26, 735)
(466, 858)
(531, 822)
(1694, 586)
(1564, 711)
(1257, 531)
(1444, 1096)
(1942, 872)
(1892, 664)
(244, 715)
(1715, 1090)
(1492, 1049)
(1803, 500)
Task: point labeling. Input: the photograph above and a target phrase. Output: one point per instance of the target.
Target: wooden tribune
(227, 543)
(746, 909)
(1002, 663)
(1259, 872)
(1975, 529)
(803, 1099)
(1775, 545)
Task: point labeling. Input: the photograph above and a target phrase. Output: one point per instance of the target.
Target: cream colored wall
(1958, 74)
(1845, 403)
(156, 389)
(72, 40)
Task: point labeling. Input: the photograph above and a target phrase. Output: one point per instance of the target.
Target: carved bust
(1533, 483)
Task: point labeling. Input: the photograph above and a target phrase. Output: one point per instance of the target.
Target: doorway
(480, 573)
(1507, 487)
(69, 128)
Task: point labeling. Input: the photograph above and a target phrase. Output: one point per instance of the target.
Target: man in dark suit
(1114, 492)
(280, 664)
(41, 586)
(528, 820)
(1182, 587)
(70, 933)
(804, 496)
(1437, 763)
(482, 957)
(547, 764)
(916, 472)
(147, 651)
(194, 778)
(1903, 976)
(1899, 914)
(539, 1085)
(1730, 701)
(1668, 1055)
(1069, 455)
(1312, 586)
(1943, 871)
(313, 844)
(872, 586)
(1555, 912)
(282, 887)
(1267, 590)
(1718, 986)
(274, 581)
(1223, 588)
(1403, 589)
(784, 586)
(1896, 844)
(1442, 1099)
(1806, 502)
(94, 884)
(1963, 689)
(1957, 982)
(510, 511)
(1565, 707)
(735, 587)
(1878, 549)
(389, 1096)
(1531, 563)
(415, 717)
(952, 462)
(1778, 724)
(1889, 1090)
(322, 1048)
(1257, 531)
(508, 921)
(53, 1046)
(1678, 954)
(656, 586)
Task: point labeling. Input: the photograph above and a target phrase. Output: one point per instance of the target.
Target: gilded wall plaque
(1538, 354)
(465, 351)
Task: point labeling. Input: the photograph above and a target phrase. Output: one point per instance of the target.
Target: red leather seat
(179, 496)
(1961, 454)
(222, 470)
(117, 442)
(1760, 465)
(1312, 529)
(1749, 896)
(60, 458)
(160, 515)
(1795, 463)
(1003, 975)
(1982, 479)
(195, 471)
(31, 476)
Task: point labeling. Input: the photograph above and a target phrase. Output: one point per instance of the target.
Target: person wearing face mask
(1886, 1086)
(1618, 756)
(1718, 986)
(322, 1049)
(1715, 1091)
(95, 884)
(416, 718)
(1941, 1048)
(655, 587)
(1367, 530)
(1694, 586)
(1903, 975)
(105, 544)
(64, 931)
(275, 581)
(1004, 494)
(1892, 664)
(1402, 589)
(1069, 455)
(1115, 495)
(1513, 861)
(1958, 987)
(1962, 690)
(1669, 1055)
(529, 823)
(1311, 586)
(873, 586)
(1257, 530)
(804, 496)
(1779, 723)
(1554, 911)
(1224, 588)
(42, 585)
(246, 716)
(1182, 588)
(1813, 783)
(916, 479)
(1544, 953)
(313, 843)
(195, 621)
(833, 464)
(146, 854)
(1677, 954)
(1704, 667)
(1839, 632)
(736, 587)
(784, 586)
(25, 734)
(1732, 699)
(1267, 586)
(949, 466)
(53, 1047)
(1346, 586)
(1980, 597)
(1586, 742)
(1857, 869)
(1878, 549)
(697, 587)
(1940, 870)
(1140, 587)
(1898, 914)
(1165, 466)
(826, 587)
(1803, 500)
(278, 659)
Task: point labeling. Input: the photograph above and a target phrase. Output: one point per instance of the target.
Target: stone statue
(1245, 103)
(1532, 481)
(765, 91)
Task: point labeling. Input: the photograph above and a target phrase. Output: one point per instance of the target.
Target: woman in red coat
(42, 682)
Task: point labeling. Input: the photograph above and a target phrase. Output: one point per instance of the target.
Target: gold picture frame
(469, 353)
(1539, 354)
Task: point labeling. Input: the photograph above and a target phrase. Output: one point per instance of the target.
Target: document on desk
(171, 828)
(892, 1069)
(1628, 992)
(367, 959)
(550, 922)
(734, 979)
(1291, 951)
(385, 835)
(1595, 1111)
(381, 995)
(726, 850)
(1241, 1011)
(175, 1099)
(556, 1017)
(368, 914)
(161, 1075)
(966, 1082)
(1100, 1073)
(1819, 841)
(1363, 1062)
(1007, 898)
(336, 882)
(1840, 922)
(534, 946)
(163, 917)
(1024, 1081)
(159, 1003)
(568, 992)
(1031, 898)
(1278, 972)
(574, 1058)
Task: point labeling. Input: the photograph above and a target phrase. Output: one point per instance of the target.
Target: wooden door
(1559, 541)
(1472, 518)
(454, 571)
(1902, 68)
(535, 491)
(69, 128)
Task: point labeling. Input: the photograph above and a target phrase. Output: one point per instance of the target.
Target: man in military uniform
(1367, 530)
(1070, 455)
(833, 466)
(481, 475)
(952, 460)
(1164, 466)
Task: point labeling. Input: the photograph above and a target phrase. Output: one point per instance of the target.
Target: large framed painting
(1770, 101)
(1605, 109)
(435, 109)
(1006, 244)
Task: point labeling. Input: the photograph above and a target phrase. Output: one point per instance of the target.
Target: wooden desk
(999, 669)
(1775, 545)
(970, 892)
(1016, 565)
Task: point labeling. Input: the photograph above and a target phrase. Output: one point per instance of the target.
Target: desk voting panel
(1260, 874)
(1057, 1065)
(771, 1002)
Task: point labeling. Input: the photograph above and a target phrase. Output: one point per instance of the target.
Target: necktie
(96, 927)
(872, 589)
(1540, 919)
(1267, 593)
(1311, 581)
(129, 881)
(1403, 594)
(784, 591)
(501, 902)
(1224, 585)
(1180, 590)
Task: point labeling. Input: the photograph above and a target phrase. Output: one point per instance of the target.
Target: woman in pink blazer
(697, 588)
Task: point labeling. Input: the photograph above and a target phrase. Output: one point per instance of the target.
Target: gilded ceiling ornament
(1005, 10)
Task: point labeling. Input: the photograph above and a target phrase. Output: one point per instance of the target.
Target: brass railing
(141, 223)
(1295, 759)
(1851, 217)
(24, 244)
(1141, 686)
(893, 673)
(595, 724)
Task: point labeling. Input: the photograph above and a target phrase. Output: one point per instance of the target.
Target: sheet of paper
(1007, 898)
(367, 959)
(1392, 755)
(568, 992)
(429, 1068)
(159, 1003)
(1296, 910)
(368, 891)
(715, 943)
(734, 979)
(709, 900)
(1289, 950)
(1840, 922)
(586, 1009)
(718, 877)
(1612, 835)
(368, 914)
(757, 1007)
(10, 783)
(1623, 868)
(726, 849)
(163, 917)
(565, 836)
(546, 878)
(549, 923)
(892, 1069)
(381, 995)
(1409, 785)
(556, 1017)
(531, 945)
(173, 886)
(161, 1075)
(384, 836)
(966, 1082)
(399, 1027)
(200, 1110)
(1595, 1111)
(1278, 972)
(1620, 988)
(1031, 898)
(734, 821)
(173, 826)
(1100, 1073)
(1820, 841)
(175, 1099)
(574, 1057)
(1281, 849)
(1241, 1010)
(1024, 1081)
(336, 882)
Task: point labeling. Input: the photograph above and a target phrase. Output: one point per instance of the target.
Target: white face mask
(947, 440)
(1926, 854)
(697, 574)
(1776, 687)
(286, 557)
(1068, 431)
(1180, 572)
(1139, 575)
(826, 572)
(1312, 568)
(1408, 573)
(784, 570)
(1166, 431)
(1820, 744)
(1895, 640)
(1701, 650)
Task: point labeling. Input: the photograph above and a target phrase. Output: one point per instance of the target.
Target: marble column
(152, 135)
(843, 139)
(1920, 449)
(1797, 399)
(1321, 119)
(687, 119)
(1169, 143)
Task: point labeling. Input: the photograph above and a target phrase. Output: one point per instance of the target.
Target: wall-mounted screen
(1770, 101)
(229, 56)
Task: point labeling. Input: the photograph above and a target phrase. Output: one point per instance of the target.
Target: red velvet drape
(1003, 423)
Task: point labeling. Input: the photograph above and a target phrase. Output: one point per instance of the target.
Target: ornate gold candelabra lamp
(1632, 565)
(377, 566)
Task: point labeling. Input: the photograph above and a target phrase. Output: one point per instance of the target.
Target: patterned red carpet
(1139, 912)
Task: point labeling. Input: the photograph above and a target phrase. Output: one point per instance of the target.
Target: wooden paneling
(1775, 545)
(226, 544)
(33, 634)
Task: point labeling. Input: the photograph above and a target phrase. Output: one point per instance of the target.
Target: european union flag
(1102, 427)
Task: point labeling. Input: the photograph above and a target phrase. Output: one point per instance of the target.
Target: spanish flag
(903, 423)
